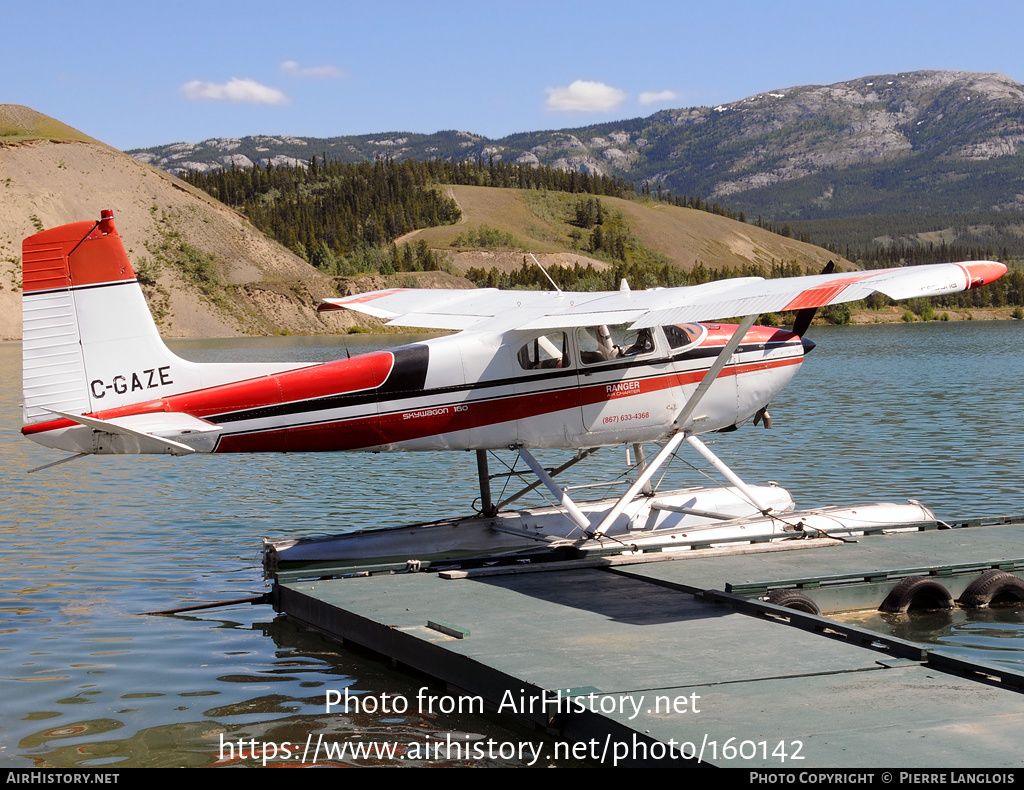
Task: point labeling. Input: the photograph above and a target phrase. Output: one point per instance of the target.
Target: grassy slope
(683, 236)
(20, 124)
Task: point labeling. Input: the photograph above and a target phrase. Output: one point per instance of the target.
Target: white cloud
(584, 96)
(234, 90)
(326, 71)
(654, 97)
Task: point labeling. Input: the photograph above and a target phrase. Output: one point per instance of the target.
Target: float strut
(571, 510)
(554, 473)
(733, 478)
(641, 465)
(663, 455)
(487, 507)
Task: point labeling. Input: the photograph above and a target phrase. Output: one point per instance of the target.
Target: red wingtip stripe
(370, 297)
(823, 294)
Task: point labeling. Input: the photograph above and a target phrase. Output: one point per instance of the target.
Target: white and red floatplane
(522, 371)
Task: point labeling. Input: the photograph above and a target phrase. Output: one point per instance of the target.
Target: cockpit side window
(602, 343)
(681, 335)
(545, 351)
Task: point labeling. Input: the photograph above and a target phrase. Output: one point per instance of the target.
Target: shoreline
(893, 315)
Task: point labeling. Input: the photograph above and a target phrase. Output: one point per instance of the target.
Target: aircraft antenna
(545, 273)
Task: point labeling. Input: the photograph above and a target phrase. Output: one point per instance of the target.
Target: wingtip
(982, 272)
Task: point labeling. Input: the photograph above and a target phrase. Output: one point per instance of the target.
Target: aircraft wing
(463, 309)
(797, 293)
(446, 308)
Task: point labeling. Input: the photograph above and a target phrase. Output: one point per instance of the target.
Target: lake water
(928, 411)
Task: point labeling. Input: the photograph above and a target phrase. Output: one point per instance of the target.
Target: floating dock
(638, 657)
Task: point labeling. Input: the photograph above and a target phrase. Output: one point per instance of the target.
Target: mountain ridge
(923, 142)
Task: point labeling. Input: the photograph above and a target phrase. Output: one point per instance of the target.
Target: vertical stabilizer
(89, 342)
(78, 284)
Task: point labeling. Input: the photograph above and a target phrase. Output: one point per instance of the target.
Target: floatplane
(522, 372)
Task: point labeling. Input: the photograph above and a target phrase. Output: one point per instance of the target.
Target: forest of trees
(340, 207)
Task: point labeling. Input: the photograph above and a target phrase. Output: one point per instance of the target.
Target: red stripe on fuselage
(341, 377)
(411, 424)
(345, 376)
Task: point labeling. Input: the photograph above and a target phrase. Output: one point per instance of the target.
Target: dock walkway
(682, 654)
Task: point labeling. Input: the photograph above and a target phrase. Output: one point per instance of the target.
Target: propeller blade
(805, 316)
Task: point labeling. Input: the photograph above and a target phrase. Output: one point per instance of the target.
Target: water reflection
(923, 411)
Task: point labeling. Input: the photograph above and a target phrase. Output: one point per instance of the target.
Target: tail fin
(88, 339)
(89, 342)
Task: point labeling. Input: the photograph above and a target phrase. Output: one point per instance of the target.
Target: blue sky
(142, 74)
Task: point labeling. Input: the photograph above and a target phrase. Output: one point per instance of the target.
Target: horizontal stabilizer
(152, 432)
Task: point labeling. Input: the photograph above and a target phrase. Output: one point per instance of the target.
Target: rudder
(89, 341)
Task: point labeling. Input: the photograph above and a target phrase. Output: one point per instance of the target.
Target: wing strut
(698, 395)
(716, 368)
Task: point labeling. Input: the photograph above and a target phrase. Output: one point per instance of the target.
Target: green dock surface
(681, 656)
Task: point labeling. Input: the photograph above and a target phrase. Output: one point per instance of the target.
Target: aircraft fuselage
(573, 388)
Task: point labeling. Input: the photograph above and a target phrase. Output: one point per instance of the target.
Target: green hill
(683, 237)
